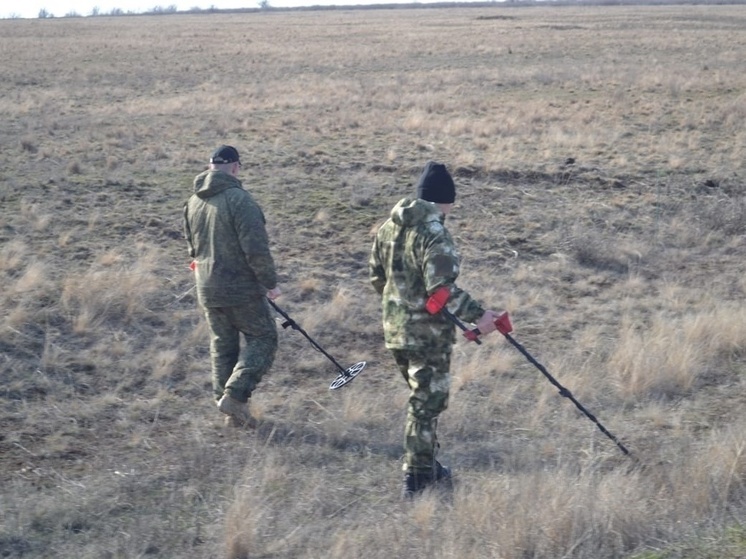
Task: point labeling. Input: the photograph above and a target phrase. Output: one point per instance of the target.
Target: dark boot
(414, 483)
(442, 476)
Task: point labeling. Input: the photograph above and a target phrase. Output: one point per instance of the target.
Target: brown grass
(599, 156)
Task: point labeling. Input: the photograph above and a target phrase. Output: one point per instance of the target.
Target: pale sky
(61, 8)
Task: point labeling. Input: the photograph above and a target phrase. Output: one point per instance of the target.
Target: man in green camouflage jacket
(235, 274)
(412, 257)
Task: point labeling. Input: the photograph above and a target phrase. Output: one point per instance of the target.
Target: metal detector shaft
(345, 376)
(471, 335)
(294, 325)
(564, 391)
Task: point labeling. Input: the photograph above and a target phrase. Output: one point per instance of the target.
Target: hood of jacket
(409, 212)
(212, 182)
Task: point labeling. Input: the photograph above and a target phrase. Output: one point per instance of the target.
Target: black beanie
(435, 184)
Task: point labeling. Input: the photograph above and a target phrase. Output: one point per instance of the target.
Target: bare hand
(274, 293)
(486, 323)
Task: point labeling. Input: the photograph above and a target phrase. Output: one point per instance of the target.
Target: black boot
(414, 483)
(442, 476)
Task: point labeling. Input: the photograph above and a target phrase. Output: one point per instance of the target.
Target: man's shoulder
(426, 231)
(239, 196)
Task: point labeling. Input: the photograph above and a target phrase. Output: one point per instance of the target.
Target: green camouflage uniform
(414, 255)
(225, 230)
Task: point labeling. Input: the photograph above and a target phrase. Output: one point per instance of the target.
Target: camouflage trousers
(428, 377)
(237, 370)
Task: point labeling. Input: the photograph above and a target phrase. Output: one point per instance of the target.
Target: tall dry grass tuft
(670, 356)
(30, 292)
(35, 216)
(253, 527)
(14, 255)
(656, 362)
(114, 288)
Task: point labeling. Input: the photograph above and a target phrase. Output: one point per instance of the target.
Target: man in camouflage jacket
(413, 256)
(235, 274)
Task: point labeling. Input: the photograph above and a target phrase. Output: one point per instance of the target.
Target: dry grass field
(600, 156)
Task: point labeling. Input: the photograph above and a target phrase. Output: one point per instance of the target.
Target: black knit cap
(224, 154)
(435, 184)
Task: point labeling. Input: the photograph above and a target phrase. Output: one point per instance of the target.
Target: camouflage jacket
(225, 231)
(413, 255)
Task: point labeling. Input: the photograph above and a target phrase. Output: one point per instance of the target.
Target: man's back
(412, 256)
(225, 228)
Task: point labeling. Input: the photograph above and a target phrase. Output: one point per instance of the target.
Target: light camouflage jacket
(225, 231)
(413, 255)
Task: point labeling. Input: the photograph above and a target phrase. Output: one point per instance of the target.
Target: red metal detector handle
(437, 303)
(503, 324)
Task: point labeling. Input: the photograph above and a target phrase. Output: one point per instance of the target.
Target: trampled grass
(598, 153)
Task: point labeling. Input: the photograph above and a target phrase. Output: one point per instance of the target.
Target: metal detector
(345, 375)
(437, 303)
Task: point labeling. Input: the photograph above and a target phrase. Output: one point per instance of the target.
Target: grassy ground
(599, 156)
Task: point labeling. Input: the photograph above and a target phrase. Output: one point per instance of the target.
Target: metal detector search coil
(345, 375)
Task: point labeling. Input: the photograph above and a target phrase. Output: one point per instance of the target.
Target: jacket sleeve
(188, 231)
(376, 271)
(441, 265)
(250, 228)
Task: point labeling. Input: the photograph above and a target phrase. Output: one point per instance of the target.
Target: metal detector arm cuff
(437, 302)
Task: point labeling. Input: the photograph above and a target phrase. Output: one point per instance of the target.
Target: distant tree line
(96, 11)
(265, 5)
